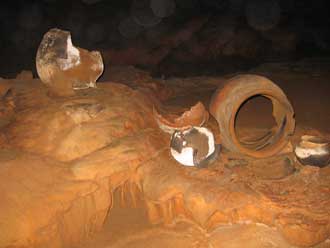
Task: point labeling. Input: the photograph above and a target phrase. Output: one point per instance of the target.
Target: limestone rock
(67, 129)
(64, 67)
(251, 235)
(54, 193)
(63, 159)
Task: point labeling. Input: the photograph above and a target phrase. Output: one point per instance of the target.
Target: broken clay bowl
(197, 115)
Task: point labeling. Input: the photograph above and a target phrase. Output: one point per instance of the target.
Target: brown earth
(94, 170)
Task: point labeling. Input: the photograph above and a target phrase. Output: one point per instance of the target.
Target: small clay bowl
(313, 150)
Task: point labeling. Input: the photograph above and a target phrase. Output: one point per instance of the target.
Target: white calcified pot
(194, 147)
(313, 150)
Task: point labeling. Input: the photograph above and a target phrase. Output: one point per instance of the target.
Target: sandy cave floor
(94, 170)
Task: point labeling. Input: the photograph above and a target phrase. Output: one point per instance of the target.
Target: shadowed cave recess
(100, 98)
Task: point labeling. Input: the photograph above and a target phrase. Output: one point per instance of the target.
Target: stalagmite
(153, 211)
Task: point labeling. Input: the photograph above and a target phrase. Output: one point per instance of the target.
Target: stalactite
(134, 194)
(179, 208)
(154, 214)
(166, 212)
(122, 201)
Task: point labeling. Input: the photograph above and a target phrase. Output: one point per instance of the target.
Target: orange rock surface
(62, 159)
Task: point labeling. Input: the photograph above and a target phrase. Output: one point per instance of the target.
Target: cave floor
(306, 84)
(119, 187)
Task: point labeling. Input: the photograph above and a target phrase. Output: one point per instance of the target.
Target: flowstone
(62, 159)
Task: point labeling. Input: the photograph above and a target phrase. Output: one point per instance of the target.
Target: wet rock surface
(63, 159)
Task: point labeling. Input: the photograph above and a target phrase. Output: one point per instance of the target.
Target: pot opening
(255, 125)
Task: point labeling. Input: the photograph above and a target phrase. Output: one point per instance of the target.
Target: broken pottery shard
(64, 67)
(195, 116)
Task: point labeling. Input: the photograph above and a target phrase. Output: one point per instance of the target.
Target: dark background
(226, 41)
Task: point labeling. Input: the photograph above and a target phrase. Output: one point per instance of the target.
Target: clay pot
(313, 150)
